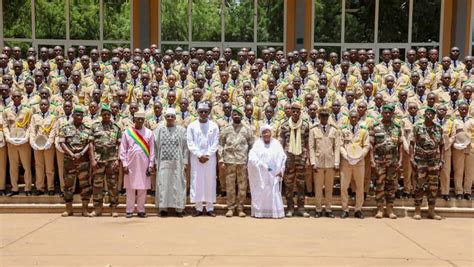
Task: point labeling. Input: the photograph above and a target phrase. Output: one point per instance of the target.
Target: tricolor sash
(139, 141)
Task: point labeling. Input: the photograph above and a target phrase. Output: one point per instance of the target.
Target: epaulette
(376, 123)
(344, 127)
(363, 126)
(396, 124)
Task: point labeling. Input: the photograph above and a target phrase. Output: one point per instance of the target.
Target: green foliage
(84, 18)
(239, 20)
(117, 19)
(393, 21)
(50, 19)
(206, 20)
(360, 17)
(270, 24)
(17, 18)
(426, 16)
(174, 20)
(327, 21)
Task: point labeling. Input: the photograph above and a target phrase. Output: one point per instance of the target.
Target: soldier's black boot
(85, 204)
(69, 211)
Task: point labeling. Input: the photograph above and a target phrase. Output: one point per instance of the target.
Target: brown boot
(390, 213)
(379, 214)
(417, 215)
(96, 212)
(85, 204)
(432, 214)
(69, 211)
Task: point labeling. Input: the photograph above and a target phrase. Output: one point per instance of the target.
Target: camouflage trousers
(295, 176)
(105, 170)
(386, 183)
(426, 181)
(76, 169)
(236, 173)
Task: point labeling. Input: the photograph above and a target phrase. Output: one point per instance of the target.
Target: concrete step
(220, 209)
(22, 199)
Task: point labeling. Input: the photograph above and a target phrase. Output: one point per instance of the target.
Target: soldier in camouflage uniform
(74, 140)
(235, 141)
(294, 136)
(104, 146)
(386, 138)
(427, 154)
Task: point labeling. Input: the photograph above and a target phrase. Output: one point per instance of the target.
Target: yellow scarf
(295, 138)
(49, 127)
(24, 122)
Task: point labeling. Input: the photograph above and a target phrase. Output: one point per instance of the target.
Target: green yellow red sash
(139, 141)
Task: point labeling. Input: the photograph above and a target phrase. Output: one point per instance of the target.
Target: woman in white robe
(266, 167)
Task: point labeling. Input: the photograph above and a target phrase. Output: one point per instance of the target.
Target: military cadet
(407, 124)
(17, 118)
(427, 158)
(294, 134)
(3, 157)
(62, 120)
(74, 140)
(42, 131)
(355, 146)
(449, 134)
(386, 158)
(235, 141)
(463, 153)
(103, 151)
(324, 150)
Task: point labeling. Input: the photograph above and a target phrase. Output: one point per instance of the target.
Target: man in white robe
(171, 157)
(266, 167)
(203, 142)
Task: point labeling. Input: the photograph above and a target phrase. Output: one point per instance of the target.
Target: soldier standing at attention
(427, 159)
(74, 140)
(386, 138)
(294, 137)
(235, 142)
(104, 148)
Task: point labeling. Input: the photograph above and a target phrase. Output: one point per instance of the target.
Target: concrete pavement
(50, 240)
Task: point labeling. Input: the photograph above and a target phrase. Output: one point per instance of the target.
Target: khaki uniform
(45, 125)
(324, 151)
(406, 126)
(3, 155)
(463, 160)
(357, 136)
(234, 144)
(448, 139)
(18, 118)
(61, 121)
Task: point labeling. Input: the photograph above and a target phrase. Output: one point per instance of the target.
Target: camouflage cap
(238, 110)
(105, 107)
(388, 107)
(78, 109)
(430, 109)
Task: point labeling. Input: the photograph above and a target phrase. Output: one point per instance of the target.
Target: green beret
(430, 109)
(236, 109)
(106, 107)
(388, 107)
(78, 109)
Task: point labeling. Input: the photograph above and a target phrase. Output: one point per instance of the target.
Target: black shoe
(13, 193)
(197, 214)
(179, 214)
(2, 192)
(353, 195)
(129, 215)
(406, 195)
(163, 213)
(344, 214)
(459, 196)
(61, 194)
(318, 215)
(446, 197)
(38, 193)
(359, 214)
(467, 196)
(365, 196)
(211, 214)
(28, 193)
(50, 193)
(311, 194)
(141, 215)
(329, 214)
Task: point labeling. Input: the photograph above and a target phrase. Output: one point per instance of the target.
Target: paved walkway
(48, 239)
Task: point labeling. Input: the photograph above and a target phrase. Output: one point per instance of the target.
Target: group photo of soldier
(192, 126)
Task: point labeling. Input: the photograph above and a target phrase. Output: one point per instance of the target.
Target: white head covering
(203, 105)
(170, 111)
(264, 128)
(139, 114)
